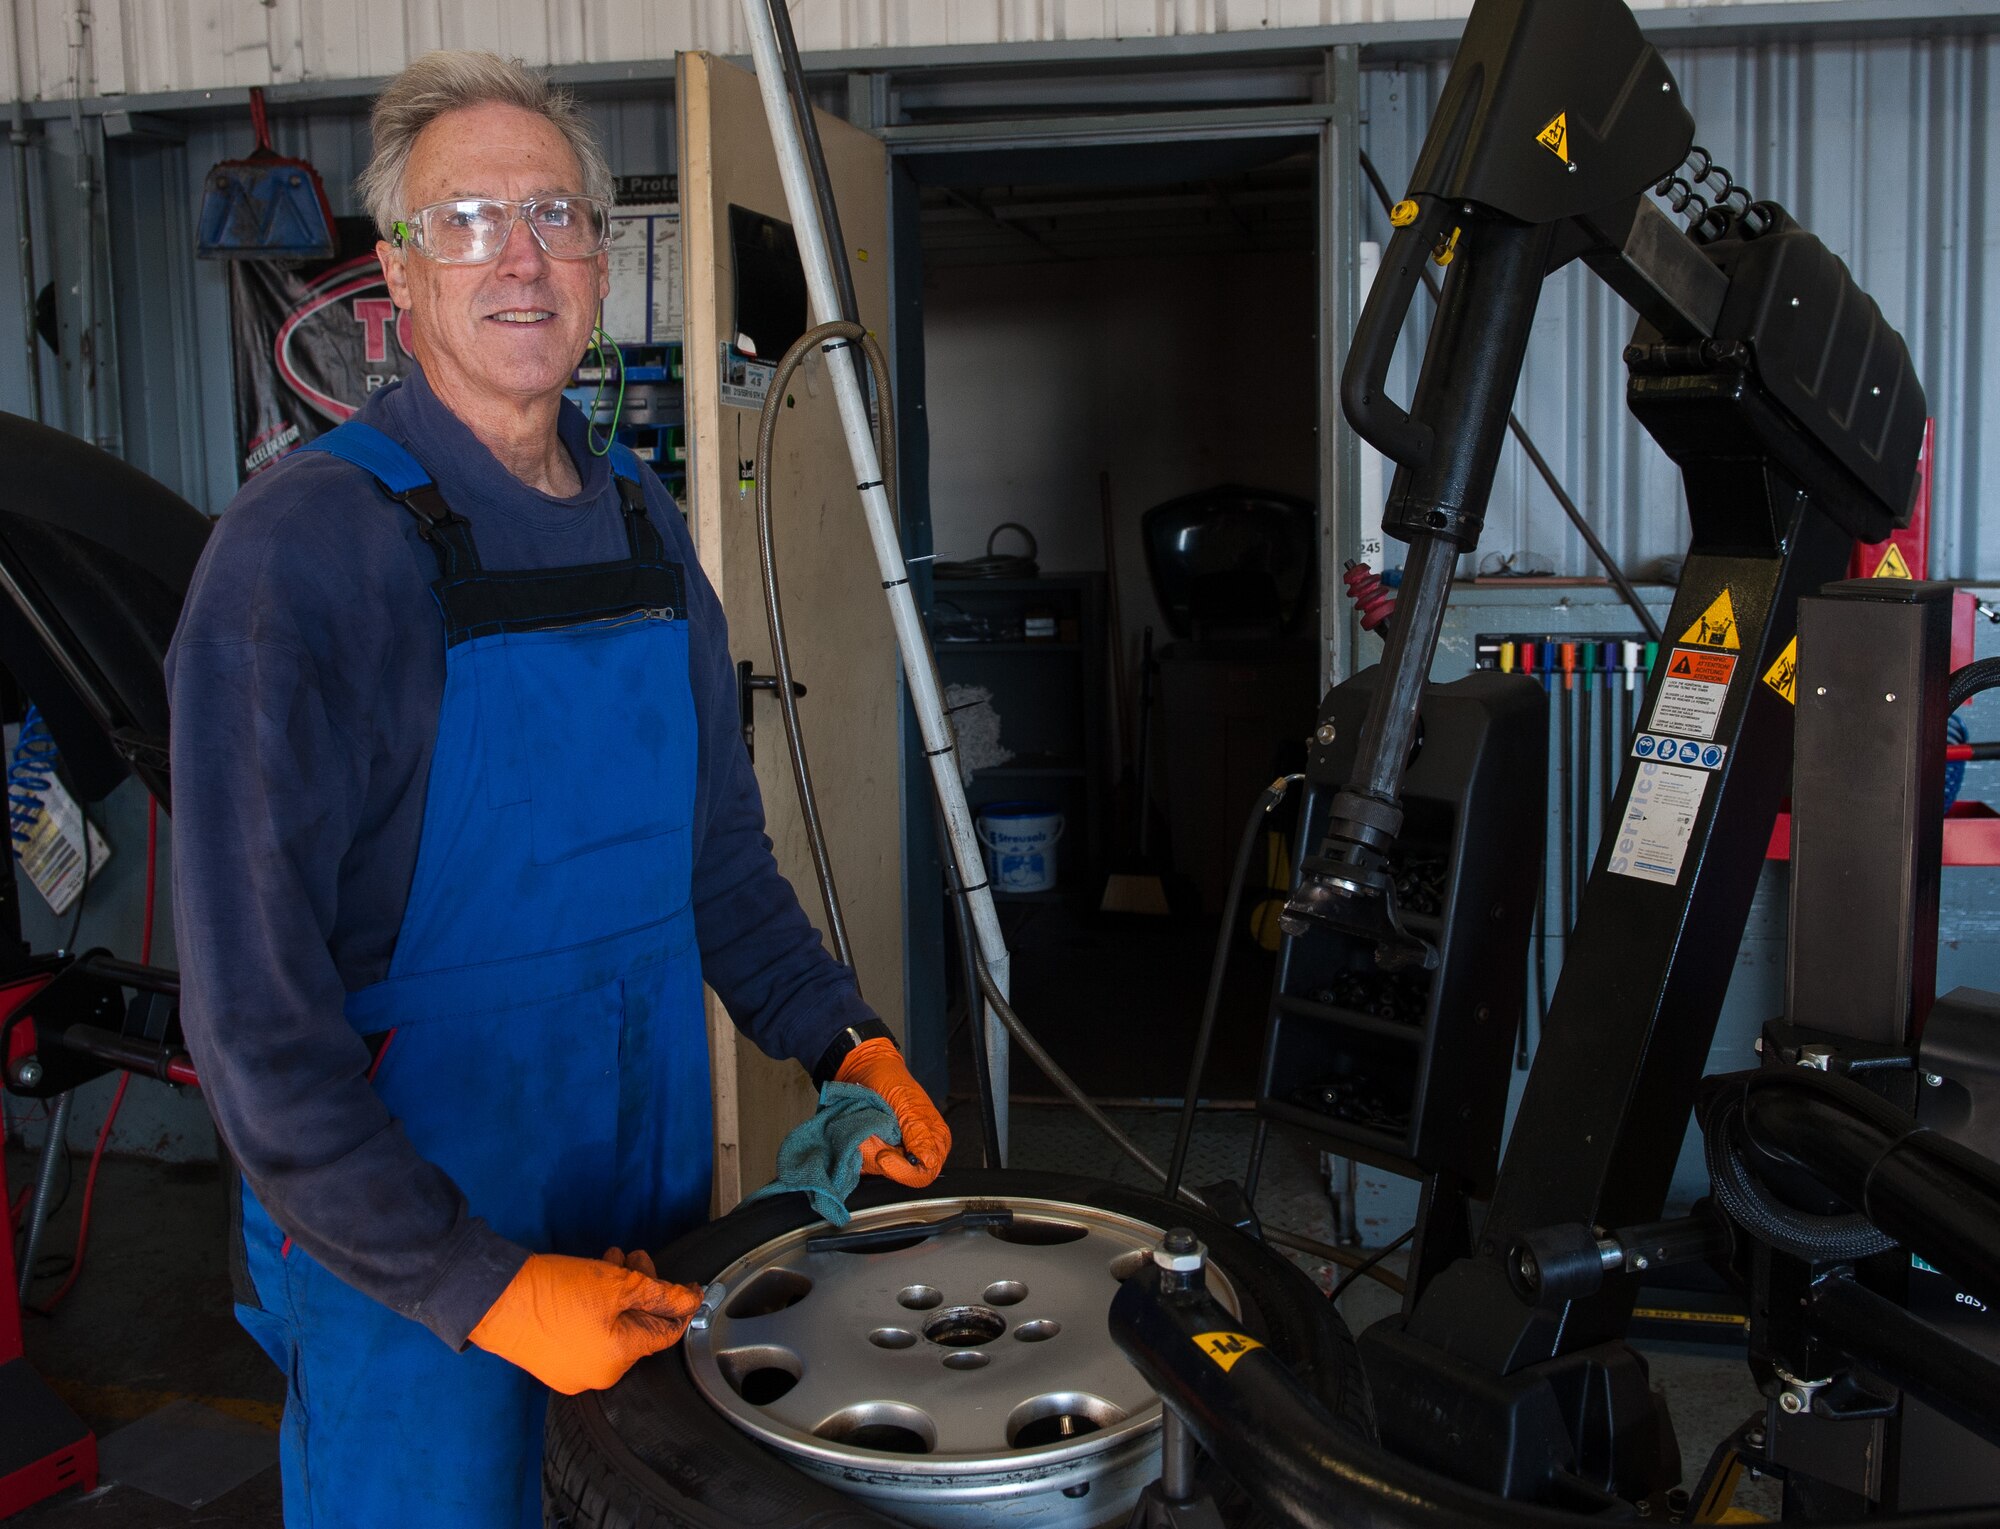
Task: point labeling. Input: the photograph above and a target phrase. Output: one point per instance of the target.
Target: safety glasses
(474, 230)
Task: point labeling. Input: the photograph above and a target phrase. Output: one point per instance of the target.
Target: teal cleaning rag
(821, 1159)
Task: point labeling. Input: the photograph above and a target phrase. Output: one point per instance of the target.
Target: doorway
(1106, 331)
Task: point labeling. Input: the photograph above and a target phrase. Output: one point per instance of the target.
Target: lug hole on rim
(893, 1337)
(1005, 1292)
(1038, 1331)
(918, 1297)
(967, 1359)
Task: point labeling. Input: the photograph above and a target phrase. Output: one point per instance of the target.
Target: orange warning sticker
(1692, 691)
(1710, 668)
(1555, 137)
(1892, 565)
(1225, 1348)
(1783, 676)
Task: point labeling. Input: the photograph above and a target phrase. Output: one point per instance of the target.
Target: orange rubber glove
(877, 1064)
(578, 1324)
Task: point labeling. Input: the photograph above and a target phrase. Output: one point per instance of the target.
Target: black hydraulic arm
(1540, 152)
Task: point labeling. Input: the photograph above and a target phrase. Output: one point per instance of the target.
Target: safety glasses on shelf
(474, 230)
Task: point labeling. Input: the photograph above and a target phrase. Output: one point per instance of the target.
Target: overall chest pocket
(594, 727)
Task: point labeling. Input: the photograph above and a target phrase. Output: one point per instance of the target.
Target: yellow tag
(1447, 248)
(861, 255)
(1225, 1348)
(1555, 137)
(1783, 676)
(1403, 214)
(1716, 626)
(1892, 565)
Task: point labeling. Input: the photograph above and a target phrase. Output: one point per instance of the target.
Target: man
(462, 822)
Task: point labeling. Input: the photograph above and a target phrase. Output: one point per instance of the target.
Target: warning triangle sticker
(1716, 626)
(1783, 676)
(1892, 565)
(1682, 665)
(1555, 137)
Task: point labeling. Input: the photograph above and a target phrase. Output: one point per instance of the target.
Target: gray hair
(447, 81)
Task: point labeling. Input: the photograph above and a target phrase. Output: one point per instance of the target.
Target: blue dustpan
(266, 207)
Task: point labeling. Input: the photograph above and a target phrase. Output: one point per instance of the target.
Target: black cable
(82, 892)
(1548, 474)
(829, 210)
(995, 565)
(1267, 799)
(1367, 1265)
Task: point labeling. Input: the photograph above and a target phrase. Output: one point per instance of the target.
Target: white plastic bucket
(1020, 840)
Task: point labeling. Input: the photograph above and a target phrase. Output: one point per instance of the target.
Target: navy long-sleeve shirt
(305, 680)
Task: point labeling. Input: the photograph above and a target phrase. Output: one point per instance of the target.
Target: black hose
(1934, 1196)
(1267, 799)
(1540, 463)
(1980, 674)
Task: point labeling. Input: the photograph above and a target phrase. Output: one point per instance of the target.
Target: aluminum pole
(911, 640)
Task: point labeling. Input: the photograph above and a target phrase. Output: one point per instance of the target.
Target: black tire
(651, 1453)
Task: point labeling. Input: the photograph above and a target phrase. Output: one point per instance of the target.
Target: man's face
(517, 325)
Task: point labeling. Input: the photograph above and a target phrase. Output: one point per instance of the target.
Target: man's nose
(522, 255)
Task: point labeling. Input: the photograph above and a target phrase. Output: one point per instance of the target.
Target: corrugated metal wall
(1881, 147)
(1886, 150)
(129, 47)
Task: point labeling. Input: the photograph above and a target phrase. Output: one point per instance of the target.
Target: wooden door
(843, 649)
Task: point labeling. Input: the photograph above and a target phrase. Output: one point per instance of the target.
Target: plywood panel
(842, 645)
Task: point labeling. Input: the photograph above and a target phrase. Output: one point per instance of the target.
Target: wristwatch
(846, 1040)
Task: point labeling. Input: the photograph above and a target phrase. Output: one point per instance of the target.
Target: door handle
(746, 682)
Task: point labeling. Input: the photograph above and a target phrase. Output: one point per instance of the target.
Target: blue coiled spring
(31, 769)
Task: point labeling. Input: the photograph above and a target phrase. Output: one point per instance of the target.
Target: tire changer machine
(1855, 1199)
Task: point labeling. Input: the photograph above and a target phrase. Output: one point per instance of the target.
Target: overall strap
(403, 479)
(640, 532)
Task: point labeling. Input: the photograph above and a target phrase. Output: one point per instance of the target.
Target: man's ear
(394, 276)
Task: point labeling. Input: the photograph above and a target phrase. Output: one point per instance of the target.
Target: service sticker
(1658, 822)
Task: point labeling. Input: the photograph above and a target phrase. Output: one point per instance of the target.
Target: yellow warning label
(1225, 1348)
(1555, 137)
(1716, 626)
(1892, 565)
(1783, 676)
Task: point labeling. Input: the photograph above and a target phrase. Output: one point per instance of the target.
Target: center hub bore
(965, 1326)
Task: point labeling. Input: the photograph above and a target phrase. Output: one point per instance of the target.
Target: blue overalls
(540, 1033)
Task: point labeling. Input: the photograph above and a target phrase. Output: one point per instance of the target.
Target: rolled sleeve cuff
(483, 1265)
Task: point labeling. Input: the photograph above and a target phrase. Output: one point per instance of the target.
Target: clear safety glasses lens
(473, 230)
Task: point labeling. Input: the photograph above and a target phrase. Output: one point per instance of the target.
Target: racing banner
(311, 341)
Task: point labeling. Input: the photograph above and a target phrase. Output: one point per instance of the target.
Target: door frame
(1333, 125)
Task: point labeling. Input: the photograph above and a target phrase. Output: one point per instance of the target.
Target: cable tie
(862, 488)
(828, 347)
(976, 887)
(933, 753)
(892, 583)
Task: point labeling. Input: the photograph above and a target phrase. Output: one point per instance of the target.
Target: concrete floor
(150, 1323)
